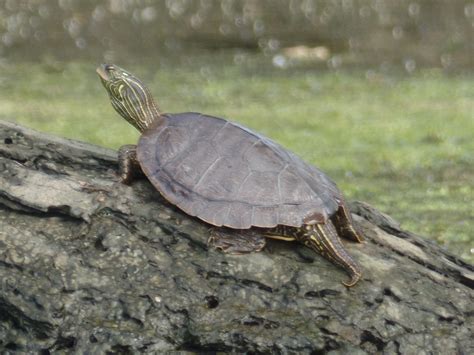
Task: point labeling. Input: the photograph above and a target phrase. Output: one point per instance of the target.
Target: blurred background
(377, 93)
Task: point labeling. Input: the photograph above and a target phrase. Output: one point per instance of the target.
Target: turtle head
(129, 96)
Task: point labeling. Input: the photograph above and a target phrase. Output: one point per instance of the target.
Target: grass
(403, 144)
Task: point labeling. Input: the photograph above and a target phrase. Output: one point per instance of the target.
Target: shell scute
(227, 175)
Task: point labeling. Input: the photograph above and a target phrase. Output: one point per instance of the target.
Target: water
(407, 33)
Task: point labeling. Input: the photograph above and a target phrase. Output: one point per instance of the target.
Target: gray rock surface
(88, 265)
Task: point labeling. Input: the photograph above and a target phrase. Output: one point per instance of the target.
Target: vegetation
(403, 144)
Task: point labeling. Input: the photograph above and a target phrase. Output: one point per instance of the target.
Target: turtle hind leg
(323, 239)
(129, 167)
(342, 220)
(236, 241)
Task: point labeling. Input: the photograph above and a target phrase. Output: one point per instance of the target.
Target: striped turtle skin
(242, 183)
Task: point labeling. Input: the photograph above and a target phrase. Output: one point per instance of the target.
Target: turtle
(244, 185)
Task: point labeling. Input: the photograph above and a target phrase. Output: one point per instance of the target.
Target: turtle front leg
(129, 167)
(323, 239)
(236, 241)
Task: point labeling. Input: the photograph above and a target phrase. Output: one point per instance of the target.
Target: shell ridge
(219, 130)
(243, 182)
(201, 179)
(279, 182)
(228, 211)
(231, 195)
(165, 174)
(244, 153)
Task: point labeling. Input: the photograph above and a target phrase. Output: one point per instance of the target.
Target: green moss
(403, 144)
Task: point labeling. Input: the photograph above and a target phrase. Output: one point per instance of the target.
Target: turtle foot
(129, 167)
(345, 225)
(236, 241)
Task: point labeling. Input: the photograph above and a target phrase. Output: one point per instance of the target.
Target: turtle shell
(227, 175)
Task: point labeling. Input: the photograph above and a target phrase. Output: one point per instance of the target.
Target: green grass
(403, 144)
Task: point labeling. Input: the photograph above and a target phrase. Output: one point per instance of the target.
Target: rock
(88, 265)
